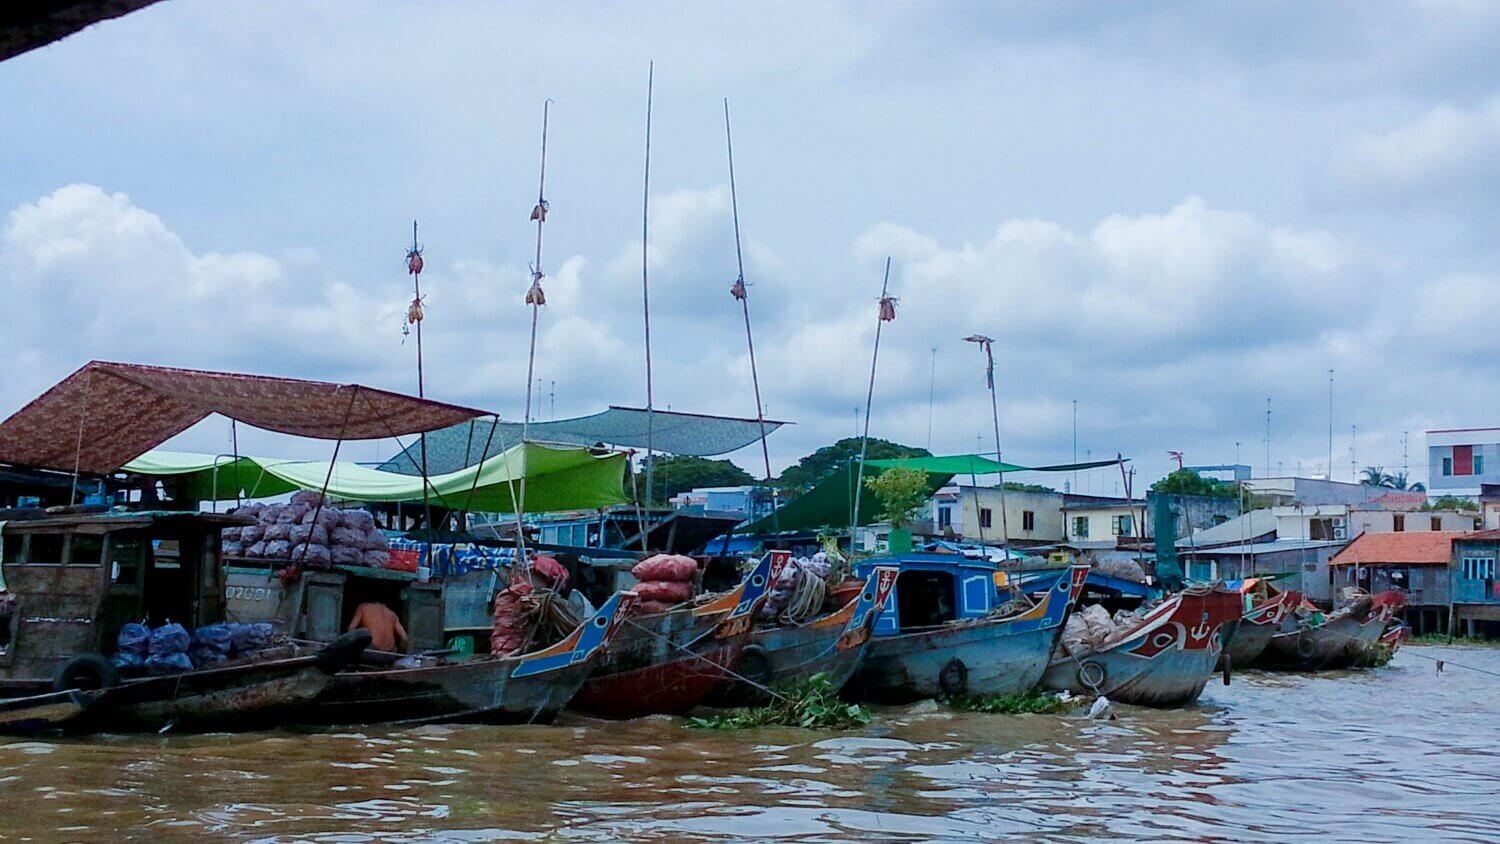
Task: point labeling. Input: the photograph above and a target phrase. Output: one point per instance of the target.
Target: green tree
(1188, 482)
(801, 477)
(1449, 502)
(901, 492)
(677, 473)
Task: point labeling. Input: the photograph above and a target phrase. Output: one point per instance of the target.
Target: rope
(808, 592)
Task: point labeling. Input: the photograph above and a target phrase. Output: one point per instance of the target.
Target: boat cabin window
(925, 598)
(125, 555)
(44, 549)
(362, 590)
(13, 544)
(85, 550)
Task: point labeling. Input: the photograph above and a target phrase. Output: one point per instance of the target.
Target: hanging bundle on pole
(737, 290)
(414, 312)
(414, 261)
(888, 309)
(534, 295)
(539, 212)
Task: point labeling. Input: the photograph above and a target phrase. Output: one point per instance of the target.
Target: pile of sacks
(301, 531)
(169, 648)
(666, 580)
(516, 609)
(1091, 626)
(1123, 568)
(799, 588)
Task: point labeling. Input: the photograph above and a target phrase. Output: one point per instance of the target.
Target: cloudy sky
(1168, 212)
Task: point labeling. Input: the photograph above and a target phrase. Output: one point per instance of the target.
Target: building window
(1479, 464)
(1028, 520)
(986, 517)
(1479, 568)
(1121, 525)
(945, 518)
(1447, 466)
(1080, 527)
(1437, 522)
(1398, 522)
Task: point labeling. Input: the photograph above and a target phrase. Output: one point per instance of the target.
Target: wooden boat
(942, 633)
(1165, 660)
(75, 580)
(1266, 609)
(669, 662)
(528, 689)
(1311, 640)
(830, 645)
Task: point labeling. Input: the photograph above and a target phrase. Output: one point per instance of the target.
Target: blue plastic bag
(250, 636)
(213, 637)
(127, 661)
(205, 657)
(171, 638)
(134, 639)
(170, 663)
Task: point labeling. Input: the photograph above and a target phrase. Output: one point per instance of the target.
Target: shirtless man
(386, 632)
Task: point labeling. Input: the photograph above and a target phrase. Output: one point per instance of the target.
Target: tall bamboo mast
(885, 313)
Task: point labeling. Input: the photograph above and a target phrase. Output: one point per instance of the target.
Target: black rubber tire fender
(1087, 678)
(954, 678)
(754, 664)
(341, 652)
(86, 672)
(1305, 649)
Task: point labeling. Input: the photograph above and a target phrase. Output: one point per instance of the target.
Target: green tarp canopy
(830, 502)
(557, 478)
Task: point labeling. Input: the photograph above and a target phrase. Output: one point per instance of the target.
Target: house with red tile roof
(1417, 563)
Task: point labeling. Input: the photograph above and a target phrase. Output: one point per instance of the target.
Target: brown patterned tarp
(107, 414)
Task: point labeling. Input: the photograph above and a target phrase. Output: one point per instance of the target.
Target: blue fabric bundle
(212, 644)
(249, 636)
(168, 663)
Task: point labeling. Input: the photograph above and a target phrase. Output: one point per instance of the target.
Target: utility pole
(1268, 436)
(1353, 462)
(1075, 444)
(931, 393)
(1330, 424)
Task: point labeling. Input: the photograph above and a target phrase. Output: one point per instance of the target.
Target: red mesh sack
(673, 567)
(664, 591)
(551, 569)
(649, 607)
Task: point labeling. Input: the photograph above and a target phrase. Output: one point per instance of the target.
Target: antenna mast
(885, 314)
(738, 290)
(646, 294)
(536, 298)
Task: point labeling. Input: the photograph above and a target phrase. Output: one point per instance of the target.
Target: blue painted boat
(1165, 660)
(830, 645)
(943, 633)
(525, 689)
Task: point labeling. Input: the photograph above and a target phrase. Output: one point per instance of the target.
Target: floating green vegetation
(1030, 703)
(1374, 656)
(812, 703)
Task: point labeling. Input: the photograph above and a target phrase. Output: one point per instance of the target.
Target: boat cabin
(71, 582)
(934, 589)
(319, 603)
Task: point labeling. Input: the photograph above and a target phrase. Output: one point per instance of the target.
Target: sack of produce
(277, 533)
(250, 636)
(347, 537)
(375, 540)
(232, 549)
(292, 514)
(326, 518)
(213, 637)
(171, 663)
(357, 520)
(306, 533)
(255, 550)
(311, 553)
(170, 638)
(251, 534)
(511, 620)
(343, 555)
(557, 574)
(667, 592)
(378, 559)
(307, 498)
(128, 663)
(649, 607)
(231, 534)
(278, 549)
(672, 567)
(134, 639)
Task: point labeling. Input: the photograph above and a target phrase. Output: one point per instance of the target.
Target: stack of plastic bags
(1091, 626)
(302, 531)
(170, 649)
(666, 580)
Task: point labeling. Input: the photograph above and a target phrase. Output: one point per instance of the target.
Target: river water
(1397, 753)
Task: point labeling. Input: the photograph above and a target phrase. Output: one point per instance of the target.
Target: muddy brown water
(1397, 753)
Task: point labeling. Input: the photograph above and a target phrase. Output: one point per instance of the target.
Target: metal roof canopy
(672, 432)
(106, 414)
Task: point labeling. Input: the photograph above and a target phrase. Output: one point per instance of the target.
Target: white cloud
(1447, 152)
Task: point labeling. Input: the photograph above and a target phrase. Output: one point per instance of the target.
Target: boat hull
(1246, 645)
(240, 698)
(1164, 661)
(670, 687)
(40, 713)
(1336, 643)
(777, 656)
(480, 690)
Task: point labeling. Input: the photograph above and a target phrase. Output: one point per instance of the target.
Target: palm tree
(1376, 476)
